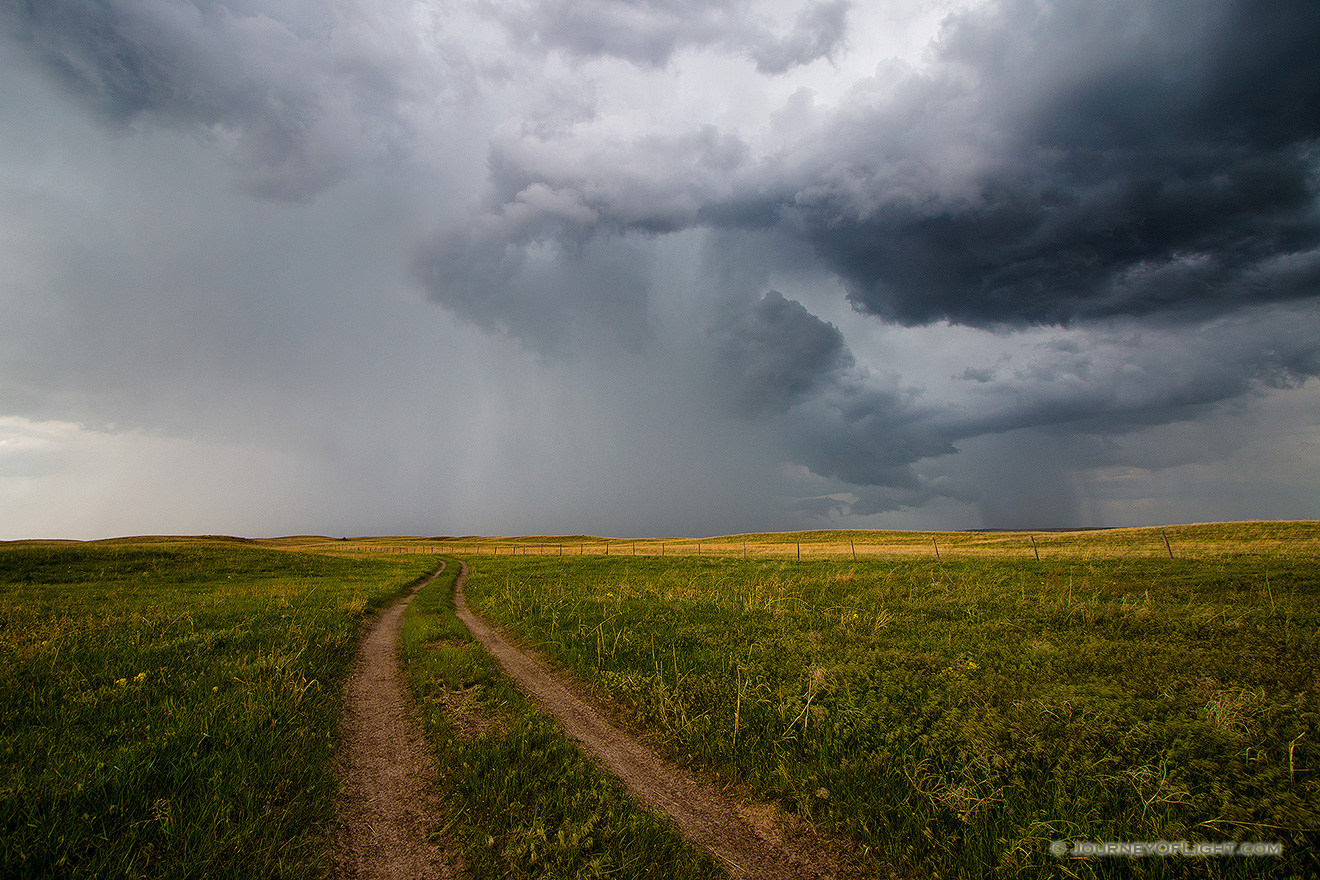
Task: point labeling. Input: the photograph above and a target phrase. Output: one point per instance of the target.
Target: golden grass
(1199, 541)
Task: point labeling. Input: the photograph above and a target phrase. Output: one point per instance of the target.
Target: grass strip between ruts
(519, 798)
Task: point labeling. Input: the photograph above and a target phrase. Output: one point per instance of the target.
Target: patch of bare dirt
(466, 719)
(747, 839)
(388, 801)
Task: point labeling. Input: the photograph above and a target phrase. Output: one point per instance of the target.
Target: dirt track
(704, 814)
(388, 802)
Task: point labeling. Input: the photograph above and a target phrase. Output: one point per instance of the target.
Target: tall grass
(953, 718)
(168, 707)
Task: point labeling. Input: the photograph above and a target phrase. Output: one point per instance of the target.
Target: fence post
(1035, 548)
(1166, 543)
(853, 548)
(937, 547)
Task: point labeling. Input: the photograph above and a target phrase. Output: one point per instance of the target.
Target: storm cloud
(777, 354)
(1053, 163)
(761, 264)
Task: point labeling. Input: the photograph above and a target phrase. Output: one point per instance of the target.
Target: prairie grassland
(952, 718)
(1199, 541)
(168, 706)
(518, 796)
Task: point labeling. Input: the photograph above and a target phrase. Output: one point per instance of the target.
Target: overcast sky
(656, 267)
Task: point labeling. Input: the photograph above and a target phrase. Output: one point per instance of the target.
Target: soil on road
(388, 803)
(745, 839)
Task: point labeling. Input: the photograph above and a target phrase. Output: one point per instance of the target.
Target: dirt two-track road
(388, 804)
(388, 796)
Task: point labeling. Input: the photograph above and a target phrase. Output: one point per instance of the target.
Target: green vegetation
(168, 706)
(952, 718)
(519, 798)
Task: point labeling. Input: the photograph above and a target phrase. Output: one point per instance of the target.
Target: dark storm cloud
(649, 32)
(1055, 162)
(776, 354)
(782, 366)
(870, 433)
(1173, 166)
(292, 91)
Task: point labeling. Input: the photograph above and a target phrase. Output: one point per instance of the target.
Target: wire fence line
(1172, 543)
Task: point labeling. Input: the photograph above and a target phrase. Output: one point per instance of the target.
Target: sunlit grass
(1198, 541)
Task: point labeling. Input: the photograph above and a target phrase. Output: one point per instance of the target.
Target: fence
(1169, 543)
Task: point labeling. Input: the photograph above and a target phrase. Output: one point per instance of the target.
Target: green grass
(952, 718)
(168, 706)
(520, 799)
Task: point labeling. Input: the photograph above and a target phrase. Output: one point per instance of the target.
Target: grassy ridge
(168, 706)
(952, 718)
(521, 800)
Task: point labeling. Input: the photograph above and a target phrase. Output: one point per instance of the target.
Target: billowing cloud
(1054, 162)
(1081, 163)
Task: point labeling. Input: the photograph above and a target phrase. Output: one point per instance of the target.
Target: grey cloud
(972, 374)
(538, 260)
(649, 32)
(584, 181)
(1129, 377)
(819, 32)
(1033, 479)
(870, 433)
(1160, 174)
(1070, 396)
(1055, 163)
(777, 354)
(556, 298)
(646, 32)
(864, 501)
(293, 92)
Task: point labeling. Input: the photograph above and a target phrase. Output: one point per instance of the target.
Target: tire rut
(388, 801)
(703, 813)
